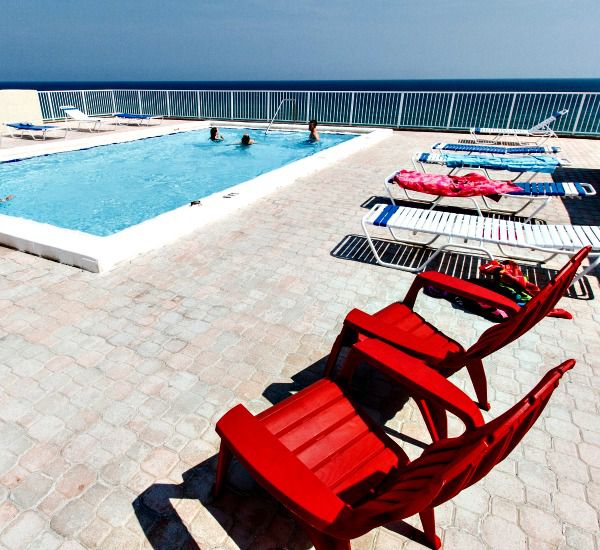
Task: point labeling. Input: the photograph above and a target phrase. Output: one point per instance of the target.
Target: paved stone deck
(110, 385)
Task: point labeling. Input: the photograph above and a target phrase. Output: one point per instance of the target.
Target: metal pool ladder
(295, 114)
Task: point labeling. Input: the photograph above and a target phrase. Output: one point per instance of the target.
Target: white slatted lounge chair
(540, 132)
(460, 229)
(77, 117)
(531, 192)
(519, 165)
(497, 149)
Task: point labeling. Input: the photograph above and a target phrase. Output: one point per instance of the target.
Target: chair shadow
(465, 266)
(587, 210)
(250, 516)
(372, 390)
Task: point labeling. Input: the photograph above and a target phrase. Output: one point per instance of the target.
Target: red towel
(469, 185)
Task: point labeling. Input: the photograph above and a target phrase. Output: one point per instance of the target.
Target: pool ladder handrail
(293, 100)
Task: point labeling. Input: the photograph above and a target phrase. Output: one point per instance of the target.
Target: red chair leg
(428, 521)
(347, 337)
(430, 418)
(321, 541)
(224, 460)
(477, 374)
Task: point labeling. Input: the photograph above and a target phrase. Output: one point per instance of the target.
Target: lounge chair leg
(477, 374)
(224, 460)
(428, 521)
(321, 541)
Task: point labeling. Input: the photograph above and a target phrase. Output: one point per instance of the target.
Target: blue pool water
(105, 189)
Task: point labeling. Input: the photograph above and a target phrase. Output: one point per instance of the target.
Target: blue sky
(44, 40)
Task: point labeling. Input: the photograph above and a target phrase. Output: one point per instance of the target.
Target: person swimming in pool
(214, 134)
(7, 198)
(247, 140)
(314, 133)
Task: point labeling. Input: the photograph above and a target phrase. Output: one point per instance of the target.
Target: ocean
(491, 85)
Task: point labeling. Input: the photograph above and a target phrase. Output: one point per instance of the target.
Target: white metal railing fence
(430, 110)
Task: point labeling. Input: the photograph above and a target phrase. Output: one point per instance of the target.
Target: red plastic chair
(398, 325)
(341, 475)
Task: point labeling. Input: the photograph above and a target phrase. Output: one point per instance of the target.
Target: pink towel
(469, 185)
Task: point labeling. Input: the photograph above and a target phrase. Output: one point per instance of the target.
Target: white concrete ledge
(98, 254)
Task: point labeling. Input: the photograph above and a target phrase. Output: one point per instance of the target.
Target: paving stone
(31, 490)
(76, 515)
(21, 533)
(541, 525)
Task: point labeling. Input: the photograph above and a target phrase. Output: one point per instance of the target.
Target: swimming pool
(103, 190)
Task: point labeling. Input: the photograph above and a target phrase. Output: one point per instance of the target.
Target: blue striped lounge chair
(517, 164)
(529, 192)
(476, 233)
(35, 131)
(539, 133)
(138, 119)
(470, 148)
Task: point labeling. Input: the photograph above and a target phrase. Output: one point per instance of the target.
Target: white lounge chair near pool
(131, 118)
(540, 133)
(462, 228)
(78, 117)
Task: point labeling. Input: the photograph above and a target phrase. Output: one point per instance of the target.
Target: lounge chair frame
(419, 164)
(571, 191)
(34, 131)
(76, 117)
(135, 119)
(541, 132)
(463, 229)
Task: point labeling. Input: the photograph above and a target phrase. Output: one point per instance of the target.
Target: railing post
(114, 103)
(51, 106)
(351, 110)
(512, 107)
(269, 106)
(83, 103)
(450, 111)
(578, 114)
(231, 105)
(400, 109)
(168, 104)
(308, 95)
(139, 94)
(198, 102)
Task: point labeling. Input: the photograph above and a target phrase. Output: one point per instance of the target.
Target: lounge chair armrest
(420, 380)
(277, 469)
(368, 325)
(459, 287)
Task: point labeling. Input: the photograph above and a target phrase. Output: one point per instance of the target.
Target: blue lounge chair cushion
(131, 115)
(495, 149)
(29, 126)
(529, 163)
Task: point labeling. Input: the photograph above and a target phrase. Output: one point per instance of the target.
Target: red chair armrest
(419, 379)
(368, 325)
(459, 287)
(277, 469)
